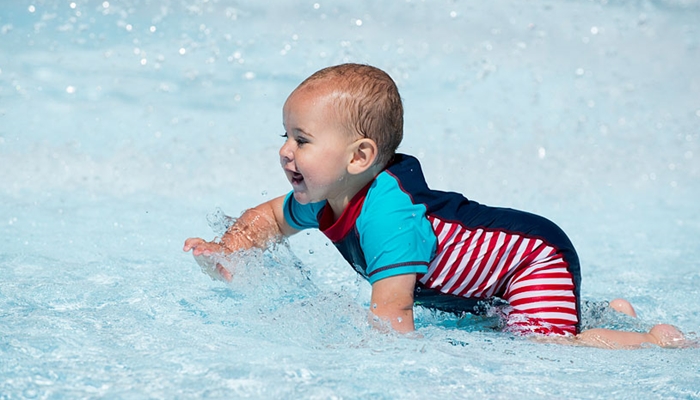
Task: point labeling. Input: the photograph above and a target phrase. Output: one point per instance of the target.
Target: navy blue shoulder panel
(454, 207)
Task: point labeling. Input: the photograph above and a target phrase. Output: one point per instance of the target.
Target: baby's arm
(392, 301)
(257, 227)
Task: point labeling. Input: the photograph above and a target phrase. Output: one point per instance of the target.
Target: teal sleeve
(395, 235)
(301, 216)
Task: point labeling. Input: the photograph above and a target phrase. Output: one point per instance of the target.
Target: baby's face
(317, 150)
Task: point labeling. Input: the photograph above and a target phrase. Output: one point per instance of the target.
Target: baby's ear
(363, 157)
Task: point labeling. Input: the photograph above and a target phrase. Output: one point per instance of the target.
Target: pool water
(123, 125)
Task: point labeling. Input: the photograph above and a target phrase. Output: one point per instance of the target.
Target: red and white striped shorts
(543, 300)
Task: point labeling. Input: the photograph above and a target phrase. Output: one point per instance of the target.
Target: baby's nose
(286, 154)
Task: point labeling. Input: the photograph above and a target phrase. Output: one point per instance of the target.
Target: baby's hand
(202, 247)
(204, 253)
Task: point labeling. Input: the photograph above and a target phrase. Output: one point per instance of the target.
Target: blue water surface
(123, 124)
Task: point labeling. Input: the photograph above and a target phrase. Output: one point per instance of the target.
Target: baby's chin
(301, 197)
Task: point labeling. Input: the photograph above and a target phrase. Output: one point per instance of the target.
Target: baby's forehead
(329, 92)
(323, 87)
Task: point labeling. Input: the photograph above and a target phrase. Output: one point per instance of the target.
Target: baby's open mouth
(297, 178)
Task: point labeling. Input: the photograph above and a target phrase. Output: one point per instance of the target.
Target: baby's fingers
(192, 243)
(206, 249)
(201, 246)
(223, 272)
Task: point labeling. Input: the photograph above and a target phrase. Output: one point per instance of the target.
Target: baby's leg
(660, 335)
(555, 312)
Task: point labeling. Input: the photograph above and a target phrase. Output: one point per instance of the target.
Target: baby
(414, 245)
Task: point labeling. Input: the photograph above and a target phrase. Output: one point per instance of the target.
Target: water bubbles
(316, 6)
(303, 376)
(182, 51)
(286, 49)
(250, 75)
(70, 89)
(73, 5)
(236, 56)
(31, 8)
(580, 71)
(105, 4)
(358, 22)
(453, 14)
(311, 251)
(594, 30)
(152, 29)
(231, 13)
(541, 153)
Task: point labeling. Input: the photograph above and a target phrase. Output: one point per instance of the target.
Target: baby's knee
(667, 335)
(623, 306)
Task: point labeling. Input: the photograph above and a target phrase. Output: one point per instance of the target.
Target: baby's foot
(668, 336)
(623, 306)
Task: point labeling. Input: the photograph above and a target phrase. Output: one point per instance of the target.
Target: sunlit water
(123, 124)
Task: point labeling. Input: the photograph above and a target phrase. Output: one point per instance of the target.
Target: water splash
(599, 314)
(219, 222)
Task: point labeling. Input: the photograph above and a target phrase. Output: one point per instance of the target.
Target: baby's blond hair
(368, 101)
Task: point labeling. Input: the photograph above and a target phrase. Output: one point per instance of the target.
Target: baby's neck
(354, 185)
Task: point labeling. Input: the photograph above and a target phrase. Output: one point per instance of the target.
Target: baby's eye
(300, 140)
